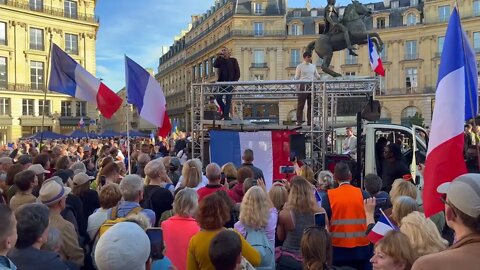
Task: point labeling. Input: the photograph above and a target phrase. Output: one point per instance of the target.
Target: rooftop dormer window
(297, 13)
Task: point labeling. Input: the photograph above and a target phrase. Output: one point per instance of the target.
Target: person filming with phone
(228, 71)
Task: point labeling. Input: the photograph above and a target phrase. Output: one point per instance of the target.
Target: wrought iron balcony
(23, 87)
(50, 10)
(259, 65)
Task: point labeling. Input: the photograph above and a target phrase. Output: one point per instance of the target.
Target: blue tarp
(136, 133)
(110, 133)
(47, 135)
(78, 134)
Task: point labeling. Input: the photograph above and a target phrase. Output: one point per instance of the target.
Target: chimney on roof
(308, 5)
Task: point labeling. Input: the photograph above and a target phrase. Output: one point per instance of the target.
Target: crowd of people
(74, 205)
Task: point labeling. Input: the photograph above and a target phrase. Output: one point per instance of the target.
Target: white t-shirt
(96, 220)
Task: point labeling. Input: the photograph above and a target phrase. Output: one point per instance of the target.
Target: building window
(295, 57)
(476, 41)
(3, 73)
(27, 106)
(413, 3)
(207, 68)
(36, 39)
(212, 60)
(194, 72)
(70, 8)
(42, 108)
(350, 59)
(257, 8)
(409, 112)
(383, 53)
(440, 42)
(410, 49)
(3, 33)
(411, 75)
(314, 13)
(394, 4)
(258, 77)
(36, 5)
(411, 19)
(476, 8)
(4, 106)
(380, 23)
(258, 58)
(37, 79)
(443, 13)
(200, 70)
(81, 108)
(258, 29)
(66, 109)
(71, 44)
(296, 29)
(350, 74)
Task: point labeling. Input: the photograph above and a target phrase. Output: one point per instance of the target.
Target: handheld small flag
(381, 228)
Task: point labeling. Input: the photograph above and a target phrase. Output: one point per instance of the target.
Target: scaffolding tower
(325, 97)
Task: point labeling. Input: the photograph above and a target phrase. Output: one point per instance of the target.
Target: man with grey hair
(213, 173)
(131, 188)
(247, 158)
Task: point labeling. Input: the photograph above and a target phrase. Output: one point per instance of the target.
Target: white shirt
(350, 146)
(96, 220)
(306, 71)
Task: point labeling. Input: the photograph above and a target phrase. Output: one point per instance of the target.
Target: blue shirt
(125, 207)
(6, 264)
(162, 264)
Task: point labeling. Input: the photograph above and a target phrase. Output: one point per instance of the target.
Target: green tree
(417, 120)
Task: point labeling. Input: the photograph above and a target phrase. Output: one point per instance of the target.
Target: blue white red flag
(81, 123)
(70, 78)
(270, 149)
(375, 60)
(146, 94)
(381, 228)
(456, 101)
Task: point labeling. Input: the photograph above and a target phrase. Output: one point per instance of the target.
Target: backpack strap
(134, 211)
(114, 213)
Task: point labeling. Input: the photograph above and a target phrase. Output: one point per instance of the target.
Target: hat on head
(52, 191)
(82, 178)
(64, 175)
(464, 193)
(175, 162)
(37, 169)
(124, 246)
(78, 166)
(25, 159)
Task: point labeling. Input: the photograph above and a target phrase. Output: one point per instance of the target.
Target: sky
(140, 28)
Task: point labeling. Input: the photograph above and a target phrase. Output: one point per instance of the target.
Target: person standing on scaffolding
(305, 71)
(228, 71)
(333, 25)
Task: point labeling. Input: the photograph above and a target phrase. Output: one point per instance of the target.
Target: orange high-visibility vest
(348, 220)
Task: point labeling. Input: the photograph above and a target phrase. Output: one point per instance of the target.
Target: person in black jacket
(228, 71)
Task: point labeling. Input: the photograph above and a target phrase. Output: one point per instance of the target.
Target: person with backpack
(132, 193)
(157, 193)
(258, 219)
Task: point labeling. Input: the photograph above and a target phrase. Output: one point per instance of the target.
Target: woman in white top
(109, 197)
(192, 176)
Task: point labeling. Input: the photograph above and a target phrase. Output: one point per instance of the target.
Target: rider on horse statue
(333, 25)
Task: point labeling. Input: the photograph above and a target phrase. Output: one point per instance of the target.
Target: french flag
(271, 149)
(70, 78)
(146, 94)
(381, 228)
(456, 101)
(375, 60)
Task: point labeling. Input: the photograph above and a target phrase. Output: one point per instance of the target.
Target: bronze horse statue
(326, 44)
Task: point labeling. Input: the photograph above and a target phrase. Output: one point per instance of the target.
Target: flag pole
(49, 56)
(127, 111)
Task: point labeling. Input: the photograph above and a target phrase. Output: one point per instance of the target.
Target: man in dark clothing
(393, 166)
(181, 143)
(228, 71)
(472, 159)
(248, 162)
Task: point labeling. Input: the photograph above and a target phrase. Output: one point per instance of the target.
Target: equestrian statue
(343, 34)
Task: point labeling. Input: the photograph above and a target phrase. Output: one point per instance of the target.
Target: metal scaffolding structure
(325, 97)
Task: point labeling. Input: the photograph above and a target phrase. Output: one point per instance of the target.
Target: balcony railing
(411, 56)
(23, 87)
(50, 10)
(259, 65)
(407, 91)
(258, 33)
(295, 63)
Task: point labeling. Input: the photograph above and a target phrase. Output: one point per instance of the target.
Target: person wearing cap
(25, 182)
(25, 160)
(54, 196)
(124, 246)
(89, 197)
(87, 152)
(32, 230)
(462, 212)
(174, 171)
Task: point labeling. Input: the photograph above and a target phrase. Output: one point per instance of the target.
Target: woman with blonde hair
(403, 206)
(230, 172)
(423, 234)
(307, 173)
(278, 195)
(393, 252)
(257, 213)
(298, 214)
(192, 176)
(401, 187)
